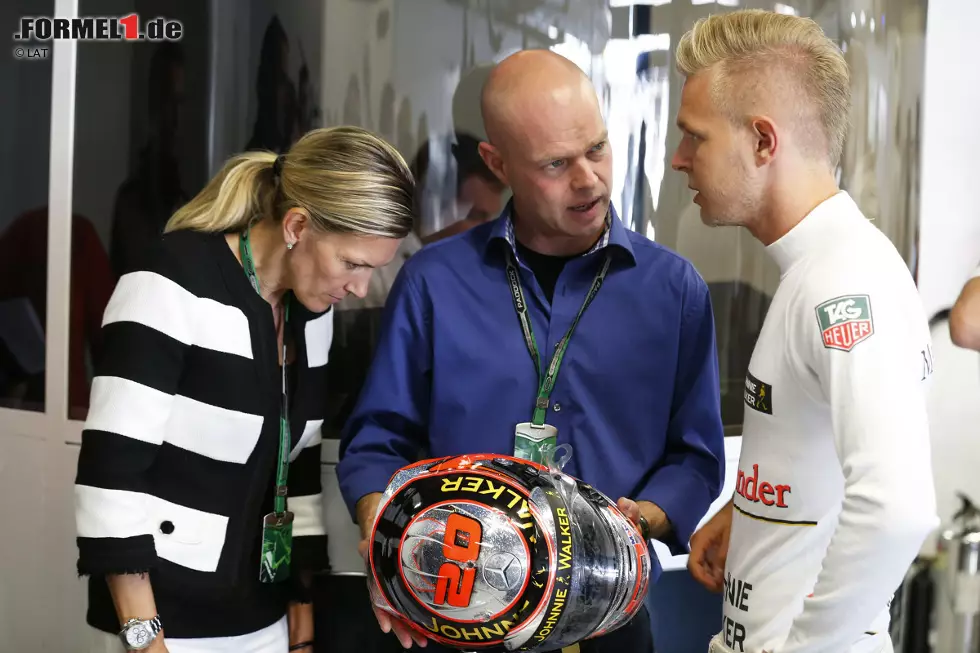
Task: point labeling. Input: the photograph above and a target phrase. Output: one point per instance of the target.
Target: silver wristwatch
(138, 634)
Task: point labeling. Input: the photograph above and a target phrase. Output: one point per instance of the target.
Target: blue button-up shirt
(637, 396)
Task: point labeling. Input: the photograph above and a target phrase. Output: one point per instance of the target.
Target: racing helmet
(489, 550)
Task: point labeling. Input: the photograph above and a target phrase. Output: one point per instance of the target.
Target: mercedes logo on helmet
(502, 571)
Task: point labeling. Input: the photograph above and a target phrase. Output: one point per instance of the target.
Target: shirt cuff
(98, 556)
(684, 499)
(356, 484)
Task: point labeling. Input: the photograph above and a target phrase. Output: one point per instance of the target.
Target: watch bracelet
(155, 626)
(645, 528)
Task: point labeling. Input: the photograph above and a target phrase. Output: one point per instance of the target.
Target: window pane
(141, 144)
(25, 76)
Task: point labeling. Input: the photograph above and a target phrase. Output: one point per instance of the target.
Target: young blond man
(834, 493)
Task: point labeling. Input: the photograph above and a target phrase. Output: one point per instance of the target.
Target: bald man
(636, 392)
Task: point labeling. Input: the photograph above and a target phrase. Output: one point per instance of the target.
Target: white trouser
(273, 639)
(881, 643)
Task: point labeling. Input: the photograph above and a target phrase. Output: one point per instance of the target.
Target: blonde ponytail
(232, 199)
(348, 180)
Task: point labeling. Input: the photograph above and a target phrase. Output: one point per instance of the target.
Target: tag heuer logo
(845, 321)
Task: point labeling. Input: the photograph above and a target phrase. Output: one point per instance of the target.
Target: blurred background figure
(480, 196)
(147, 199)
(23, 308)
(276, 125)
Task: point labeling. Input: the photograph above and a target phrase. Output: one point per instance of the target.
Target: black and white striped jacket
(178, 453)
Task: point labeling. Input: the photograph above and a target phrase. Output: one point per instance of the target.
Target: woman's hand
(133, 597)
(300, 616)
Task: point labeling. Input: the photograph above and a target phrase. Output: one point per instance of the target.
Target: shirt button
(557, 407)
(167, 527)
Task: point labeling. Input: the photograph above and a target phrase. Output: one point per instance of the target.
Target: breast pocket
(187, 537)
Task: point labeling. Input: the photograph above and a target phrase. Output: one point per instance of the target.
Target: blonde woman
(198, 498)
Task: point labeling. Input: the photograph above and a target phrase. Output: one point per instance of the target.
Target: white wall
(950, 213)
(950, 239)
(24, 577)
(954, 422)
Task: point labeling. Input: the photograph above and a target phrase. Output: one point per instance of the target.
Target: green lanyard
(546, 382)
(282, 469)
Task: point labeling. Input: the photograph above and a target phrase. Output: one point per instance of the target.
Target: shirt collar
(614, 235)
(821, 225)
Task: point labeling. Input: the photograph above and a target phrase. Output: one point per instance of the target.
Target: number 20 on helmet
(488, 550)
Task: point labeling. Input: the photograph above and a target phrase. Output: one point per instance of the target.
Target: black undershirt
(546, 268)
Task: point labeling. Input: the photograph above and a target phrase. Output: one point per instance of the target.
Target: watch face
(137, 636)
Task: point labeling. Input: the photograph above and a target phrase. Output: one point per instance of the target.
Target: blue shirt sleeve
(691, 473)
(389, 424)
